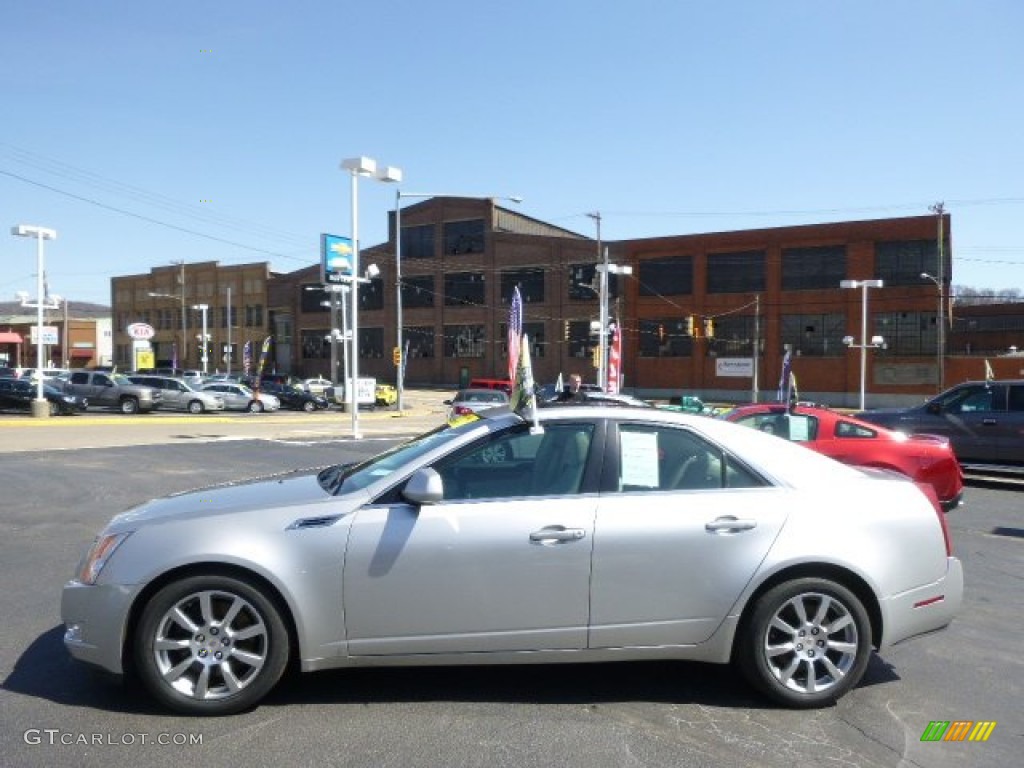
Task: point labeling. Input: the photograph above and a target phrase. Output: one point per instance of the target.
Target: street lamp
(399, 194)
(184, 327)
(940, 332)
(605, 269)
(876, 341)
(40, 408)
(205, 337)
(360, 166)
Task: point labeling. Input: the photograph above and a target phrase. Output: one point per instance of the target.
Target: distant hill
(78, 309)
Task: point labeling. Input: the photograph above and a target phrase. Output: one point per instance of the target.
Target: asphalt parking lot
(58, 713)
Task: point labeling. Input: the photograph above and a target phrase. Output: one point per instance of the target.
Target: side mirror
(446, 402)
(424, 487)
(934, 408)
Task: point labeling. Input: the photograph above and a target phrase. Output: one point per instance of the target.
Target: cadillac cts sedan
(924, 458)
(602, 534)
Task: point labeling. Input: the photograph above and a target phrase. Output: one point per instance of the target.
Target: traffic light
(595, 356)
(566, 330)
(709, 328)
(689, 325)
(396, 355)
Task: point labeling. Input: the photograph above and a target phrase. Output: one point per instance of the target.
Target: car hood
(249, 497)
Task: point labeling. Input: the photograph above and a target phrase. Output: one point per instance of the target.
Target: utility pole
(939, 209)
(602, 367)
(757, 341)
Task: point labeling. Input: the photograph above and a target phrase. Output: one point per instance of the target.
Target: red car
(924, 458)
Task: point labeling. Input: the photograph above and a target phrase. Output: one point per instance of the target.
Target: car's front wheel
(309, 406)
(806, 643)
(195, 407)
(129, 405)
(255, 407)
(210, 645)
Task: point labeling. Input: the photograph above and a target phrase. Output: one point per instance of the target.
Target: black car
(984, 420)
(294, 399)
(18, 394)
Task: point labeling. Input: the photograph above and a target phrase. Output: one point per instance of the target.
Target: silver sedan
(238, 397)
(602, 534)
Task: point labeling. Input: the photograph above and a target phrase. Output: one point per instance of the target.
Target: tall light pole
(360, 166)
(399, 194)
(876, 341)
(205, 337)
(40, 408)
(940, 333)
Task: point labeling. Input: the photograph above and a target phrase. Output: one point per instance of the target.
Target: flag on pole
(263, 357)
(559, 385)
(174, 354)
(522, 388)
(989, 374)
(515, 333)
(614, 359)
(247, 357)
(786, 379)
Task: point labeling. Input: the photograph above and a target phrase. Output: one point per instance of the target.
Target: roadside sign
(49, 334)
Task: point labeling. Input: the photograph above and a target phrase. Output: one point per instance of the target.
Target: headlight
(100, 551)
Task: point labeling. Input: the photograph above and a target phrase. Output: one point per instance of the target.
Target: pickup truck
(113, 390)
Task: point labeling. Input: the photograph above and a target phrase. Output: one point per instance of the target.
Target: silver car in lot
(603, 534)
(179, 395)
(238, 397)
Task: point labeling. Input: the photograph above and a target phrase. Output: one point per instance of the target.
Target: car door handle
(729, 524)
(557, 533)
(989, 422)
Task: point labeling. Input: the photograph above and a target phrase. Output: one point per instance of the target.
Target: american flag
(515, 333)
(614, 359)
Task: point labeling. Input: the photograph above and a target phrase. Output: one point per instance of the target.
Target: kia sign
(738, 367)
(140, 331)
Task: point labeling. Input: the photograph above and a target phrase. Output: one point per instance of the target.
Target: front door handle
(989, 422)
(729, 525)
(557, 533)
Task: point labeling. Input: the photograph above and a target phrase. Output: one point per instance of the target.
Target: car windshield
(344, 478)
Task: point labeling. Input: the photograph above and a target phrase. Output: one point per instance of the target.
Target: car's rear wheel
(210, 645)
(195, 407)
(309, 406)
(129, 405)
(806, 643)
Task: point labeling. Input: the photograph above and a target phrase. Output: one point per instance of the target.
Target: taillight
(929, 491)
(461, 410)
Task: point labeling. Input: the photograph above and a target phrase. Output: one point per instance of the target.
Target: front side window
(849, 429)
(975, 399)
(517, 463)
(657, 458)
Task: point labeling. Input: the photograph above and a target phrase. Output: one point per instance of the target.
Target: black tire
(54, 409)
(209, 649)
(820, 657)
(129, 405)
(255, 407)
(195, 406)
(309, 406)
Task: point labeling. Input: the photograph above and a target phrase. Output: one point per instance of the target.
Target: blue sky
(146, 132)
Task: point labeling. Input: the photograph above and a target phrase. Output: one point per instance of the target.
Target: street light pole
(360, 166)
(205, 355)
(40, 408)
(876, 341)
(399, 194)
(940, 332)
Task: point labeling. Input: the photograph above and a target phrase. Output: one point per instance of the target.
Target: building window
(812, 268)
(734, 336)
(418, 291)
(815, 335)
(371, 294)
(464, 289)
(314, 344)
(907, 334)
(253, 315)
(463, 237)
(418, 242)
(464, 341)
(371, 342)
(671, 276)
(741, 272)
(584, 283)
(312, 299)
(530, 282)
(419, 340)
(534, 331)
(664, 337)
(578, 337)
(901, 262)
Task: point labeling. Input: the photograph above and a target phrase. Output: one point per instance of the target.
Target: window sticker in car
(798, 428)
(639, 459)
